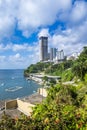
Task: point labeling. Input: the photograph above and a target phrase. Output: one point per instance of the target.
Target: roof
(33, 99)
(13, 113)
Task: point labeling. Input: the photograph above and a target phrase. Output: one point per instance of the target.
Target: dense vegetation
(80, 66)
(63, 69)
(49, 68)
(36, 68)
(65, 107)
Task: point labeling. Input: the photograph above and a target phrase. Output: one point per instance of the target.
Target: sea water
(13, 84)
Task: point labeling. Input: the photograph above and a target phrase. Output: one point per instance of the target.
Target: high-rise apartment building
(53, 53)
(60, 55)
(43, 42)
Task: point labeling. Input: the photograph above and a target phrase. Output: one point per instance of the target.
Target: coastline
(20, 105)
(37, 96)
(33, 78)
(13, 84)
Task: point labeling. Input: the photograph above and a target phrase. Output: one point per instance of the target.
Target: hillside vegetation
(67, 69)
(65, 107)
(36, 68)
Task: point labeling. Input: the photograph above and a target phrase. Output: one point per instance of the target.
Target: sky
(22, 22)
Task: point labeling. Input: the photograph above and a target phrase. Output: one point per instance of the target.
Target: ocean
(13, 84)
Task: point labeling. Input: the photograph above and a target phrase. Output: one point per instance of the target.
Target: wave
(13, 77)
(13, 89)
(34, 91)
(2, 84)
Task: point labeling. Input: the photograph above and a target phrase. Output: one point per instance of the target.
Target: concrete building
(43, 42)
(60, 55)
(53, 53)
(48, 56)
(73, 56)
(25, 105)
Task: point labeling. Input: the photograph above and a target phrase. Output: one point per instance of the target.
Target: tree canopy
(80, 65)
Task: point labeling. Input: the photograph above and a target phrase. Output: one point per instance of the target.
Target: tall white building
(43, 43)
(53, 53)
(60, 55)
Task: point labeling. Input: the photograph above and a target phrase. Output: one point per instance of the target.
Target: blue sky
(23, 21)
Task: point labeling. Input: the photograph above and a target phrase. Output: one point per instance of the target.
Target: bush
(85, 78)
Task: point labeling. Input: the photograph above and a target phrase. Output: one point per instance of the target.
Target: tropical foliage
(36, 68)
(65, 108)
(80, 66)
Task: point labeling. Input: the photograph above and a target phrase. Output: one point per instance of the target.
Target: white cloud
(20, 61)
(70, 40)
(29, 14)
(2, 58)
(44, 32)
(1, 47)
(34, 14)
(4, 47)
(24, 47)
(9, 63)
(8, 9)
(6, 26)
(79, 11)
(16, 58)
(19, 47)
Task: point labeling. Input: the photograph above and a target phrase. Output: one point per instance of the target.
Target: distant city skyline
(53, 55)
(22, 22)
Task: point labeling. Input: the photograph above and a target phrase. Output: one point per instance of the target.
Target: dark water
(13, 84)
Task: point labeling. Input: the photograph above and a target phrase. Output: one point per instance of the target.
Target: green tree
(80, 66)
